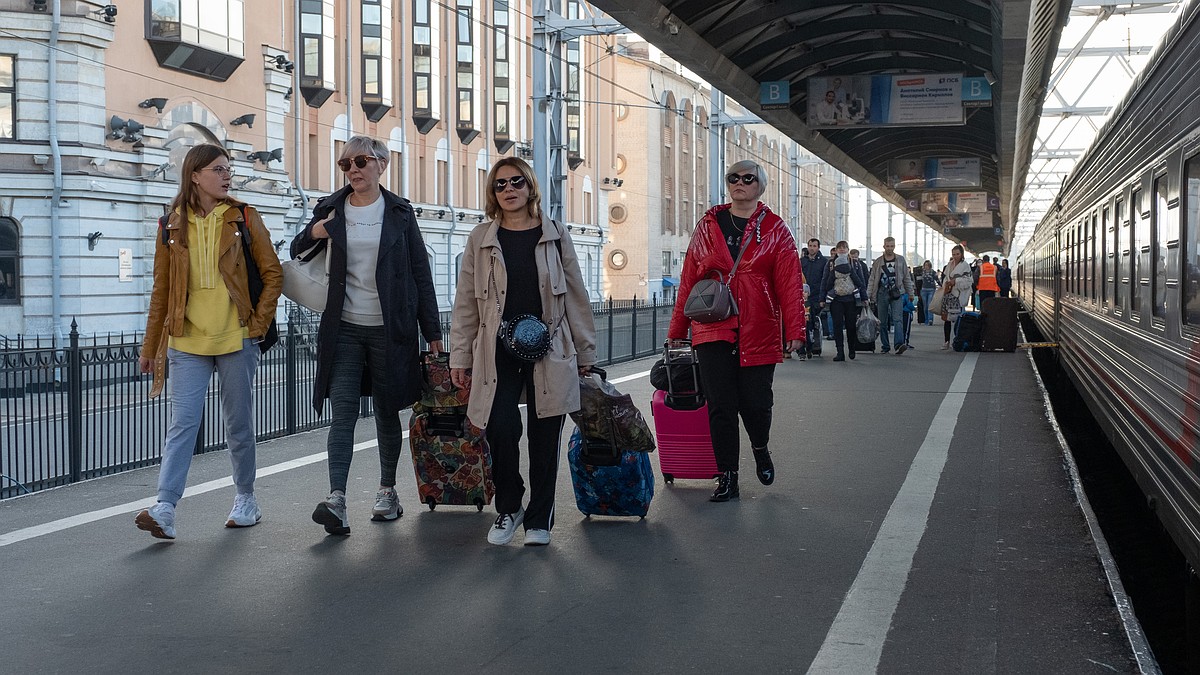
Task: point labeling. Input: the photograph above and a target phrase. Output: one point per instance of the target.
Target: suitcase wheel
(432, 503)
(668, 478)
(479, 504)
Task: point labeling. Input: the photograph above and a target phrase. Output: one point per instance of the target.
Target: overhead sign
(934, 172)
(924, 99)
(954, 202)
(976, 92)
(775, 95)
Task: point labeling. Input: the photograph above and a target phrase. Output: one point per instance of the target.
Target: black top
(522, 295)
(733, 227)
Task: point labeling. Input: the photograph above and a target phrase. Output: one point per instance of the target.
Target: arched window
(10, 262)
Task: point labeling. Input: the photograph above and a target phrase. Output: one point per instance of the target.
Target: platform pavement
(1002, 575)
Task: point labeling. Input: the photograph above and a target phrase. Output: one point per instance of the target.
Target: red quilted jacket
(768, 287)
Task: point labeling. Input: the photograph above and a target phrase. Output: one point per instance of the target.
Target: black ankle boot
(727, 487)
(764, 468)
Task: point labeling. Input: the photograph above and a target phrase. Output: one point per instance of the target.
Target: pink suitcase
(684, 442)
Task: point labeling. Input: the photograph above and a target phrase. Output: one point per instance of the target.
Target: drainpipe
(56, 196)
(450, 249)
(297, 163)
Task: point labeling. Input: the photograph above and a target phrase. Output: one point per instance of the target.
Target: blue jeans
(190, 375)
(890, 313)
(926, 300)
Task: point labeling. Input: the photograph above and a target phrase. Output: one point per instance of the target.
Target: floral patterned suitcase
(623, 486)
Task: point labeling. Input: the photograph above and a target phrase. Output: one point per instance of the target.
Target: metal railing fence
(79, 411)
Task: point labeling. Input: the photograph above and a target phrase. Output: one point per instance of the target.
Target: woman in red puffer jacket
(737, 356)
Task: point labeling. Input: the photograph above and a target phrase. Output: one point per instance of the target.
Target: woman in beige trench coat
(520, 263)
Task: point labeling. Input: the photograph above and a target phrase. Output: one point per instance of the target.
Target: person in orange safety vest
(987, 286)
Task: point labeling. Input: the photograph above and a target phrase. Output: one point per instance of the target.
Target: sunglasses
(360, 162)
(500, 184)
(746, 179)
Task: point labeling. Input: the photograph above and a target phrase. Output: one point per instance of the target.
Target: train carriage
(1112, 274)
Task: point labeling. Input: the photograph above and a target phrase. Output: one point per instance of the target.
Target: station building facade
(446, 85)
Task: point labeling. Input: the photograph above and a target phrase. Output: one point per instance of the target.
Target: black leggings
(946, 330)
(733, 390)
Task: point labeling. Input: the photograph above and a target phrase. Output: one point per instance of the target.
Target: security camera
(110, 13)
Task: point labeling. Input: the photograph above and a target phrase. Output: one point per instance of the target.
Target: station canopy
(932, 104)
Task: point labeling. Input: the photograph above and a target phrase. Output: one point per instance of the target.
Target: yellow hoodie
(210, 323)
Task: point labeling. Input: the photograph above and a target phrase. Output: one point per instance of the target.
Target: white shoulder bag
(306, 278)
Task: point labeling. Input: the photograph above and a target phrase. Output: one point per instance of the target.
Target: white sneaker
(245, 511)
(506, 527)
(332, 513)
(387, 505)
(158, 520)
(535, 537)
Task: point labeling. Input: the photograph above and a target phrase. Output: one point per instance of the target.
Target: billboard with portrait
(922, 99)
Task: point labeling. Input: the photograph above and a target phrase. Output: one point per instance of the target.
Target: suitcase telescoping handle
(672, 351)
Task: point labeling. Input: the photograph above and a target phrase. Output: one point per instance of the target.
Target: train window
(1093, 255)
(1106, 253)
(1138, 239)
(1162, 240)
(1190, 278)
(1121, 249)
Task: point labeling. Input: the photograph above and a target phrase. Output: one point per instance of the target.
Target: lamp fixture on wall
(108, 13)
(280, 62)
(441, 213)
(39, 5)
(129, 131)
(158, 103)
(613, 182)
(92, 237)
(479, 217)
(419, 211)
(266, 156)
(247, 119)
(279, 244)
(461, 215)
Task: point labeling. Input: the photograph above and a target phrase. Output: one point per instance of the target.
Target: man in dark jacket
(813, 264)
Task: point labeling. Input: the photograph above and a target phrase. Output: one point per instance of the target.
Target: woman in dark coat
(380, 293)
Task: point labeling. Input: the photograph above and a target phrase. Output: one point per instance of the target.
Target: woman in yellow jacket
(202, 318)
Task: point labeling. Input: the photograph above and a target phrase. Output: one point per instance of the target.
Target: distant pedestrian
(738, 355)
(929, 286)
(521, 263)
(845, 288)
(381, 296)
(202, 319)
(813, 264)
(890, 281)
(956, 290)
(987, 283)
(1004, 279)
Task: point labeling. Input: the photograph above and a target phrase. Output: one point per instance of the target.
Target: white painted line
(61, 524)
(17, 536)
(854, 643)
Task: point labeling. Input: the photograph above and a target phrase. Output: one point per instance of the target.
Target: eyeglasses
(746, 179)
(222, 170)
(360, 162)
(500, 184)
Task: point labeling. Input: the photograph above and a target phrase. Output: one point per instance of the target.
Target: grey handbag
(306, 278)
(711, 300)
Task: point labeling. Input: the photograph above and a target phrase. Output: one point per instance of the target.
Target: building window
(10, 260)
(317, 67)
(395, 167)
(464, 72)
(8, 97)
(574, 94)
(426, 66)
(376, 58)
(1166, 243)
(201, 37)
(501, 94)
(1137, 259)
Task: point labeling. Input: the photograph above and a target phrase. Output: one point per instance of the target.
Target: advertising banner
(886, 100)
(934, 172)
(957, 220)
(954, 202)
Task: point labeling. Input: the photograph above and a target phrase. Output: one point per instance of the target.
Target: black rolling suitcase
(999, 325)
(812, 333)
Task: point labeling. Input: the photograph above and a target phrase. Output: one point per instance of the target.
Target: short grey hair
(365, 145)
(748, 166)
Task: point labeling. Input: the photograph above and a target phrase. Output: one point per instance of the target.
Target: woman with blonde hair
(381, 296)
(520, 266)
(956, 291)
(203, 318)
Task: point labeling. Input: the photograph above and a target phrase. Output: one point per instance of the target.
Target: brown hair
(492, 205)
(197, 158)
(962, 254)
